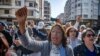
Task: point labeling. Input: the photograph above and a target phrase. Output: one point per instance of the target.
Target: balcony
(7, 16)
(5, 5)
(5, 2)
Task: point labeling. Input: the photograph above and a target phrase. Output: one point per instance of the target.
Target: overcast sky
(57, 7)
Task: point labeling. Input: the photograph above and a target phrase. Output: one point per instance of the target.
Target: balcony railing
(4, 6)
(5, 3)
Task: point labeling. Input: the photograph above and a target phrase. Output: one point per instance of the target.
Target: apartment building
(8, 8)
(41, 9)
(88, 9)
(47, 10)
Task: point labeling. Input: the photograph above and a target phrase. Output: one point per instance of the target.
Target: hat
(2, 24)
(40, 25)
(83, 26)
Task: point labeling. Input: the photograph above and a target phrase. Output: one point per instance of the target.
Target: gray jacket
(42, 46)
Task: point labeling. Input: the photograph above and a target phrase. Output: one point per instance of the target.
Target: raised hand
(79, 18)
(21, 16)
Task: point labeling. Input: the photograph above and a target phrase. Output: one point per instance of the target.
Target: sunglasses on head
(89, 35)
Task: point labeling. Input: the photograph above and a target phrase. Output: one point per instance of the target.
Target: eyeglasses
(89, 35)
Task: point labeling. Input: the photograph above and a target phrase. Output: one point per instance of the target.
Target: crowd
(29, 39)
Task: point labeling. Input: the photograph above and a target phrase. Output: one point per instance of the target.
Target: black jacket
(81, 50)
(9, 40)
(7, 36)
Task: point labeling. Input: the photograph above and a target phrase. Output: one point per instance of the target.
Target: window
(46, 8)
(91, 10)
(31, 13)
(6, 11)
(18, 3)
(85, 4)
(72, 12)
(79, 5)
(30, 4)
(72, 7)
(5, 2)
(75, 0)
(47, 16)
(45, 11)
(85, 16)
(75, 6)
(35, 4)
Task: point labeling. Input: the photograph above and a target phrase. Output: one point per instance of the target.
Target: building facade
(88, 9)
(67, 10)
(9, 7)
(41, 9)
(47, 10)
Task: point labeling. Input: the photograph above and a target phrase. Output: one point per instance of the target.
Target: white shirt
(74, 43)
(55, 51)
(80, 36)
(34, 54)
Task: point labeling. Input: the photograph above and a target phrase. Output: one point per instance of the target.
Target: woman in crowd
(56, 44)
(81, 29)
(87, 48)
(72, 37)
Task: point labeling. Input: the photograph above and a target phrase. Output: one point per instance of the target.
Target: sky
(57, 7)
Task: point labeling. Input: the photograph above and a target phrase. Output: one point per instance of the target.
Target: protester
(72, 37)
(4, 46)
(48, 28)
(5, 39)
(30, 25)
(55, 46)
(68, 24)
(58, 21)
(81, 29)
(22, 51)
(87, 48)
(41, 28)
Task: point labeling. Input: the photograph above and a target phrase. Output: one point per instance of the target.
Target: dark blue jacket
(81, 50)
(41, 35)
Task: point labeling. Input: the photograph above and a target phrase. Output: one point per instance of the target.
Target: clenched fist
(21, 16)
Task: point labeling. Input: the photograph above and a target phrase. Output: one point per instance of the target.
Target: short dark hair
(85, 31)
(2, 24)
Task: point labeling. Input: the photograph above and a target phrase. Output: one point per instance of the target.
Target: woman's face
(56, 35)
(89, 37)
(72, 32)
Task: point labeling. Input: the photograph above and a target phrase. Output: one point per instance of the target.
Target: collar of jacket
(95, 48)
